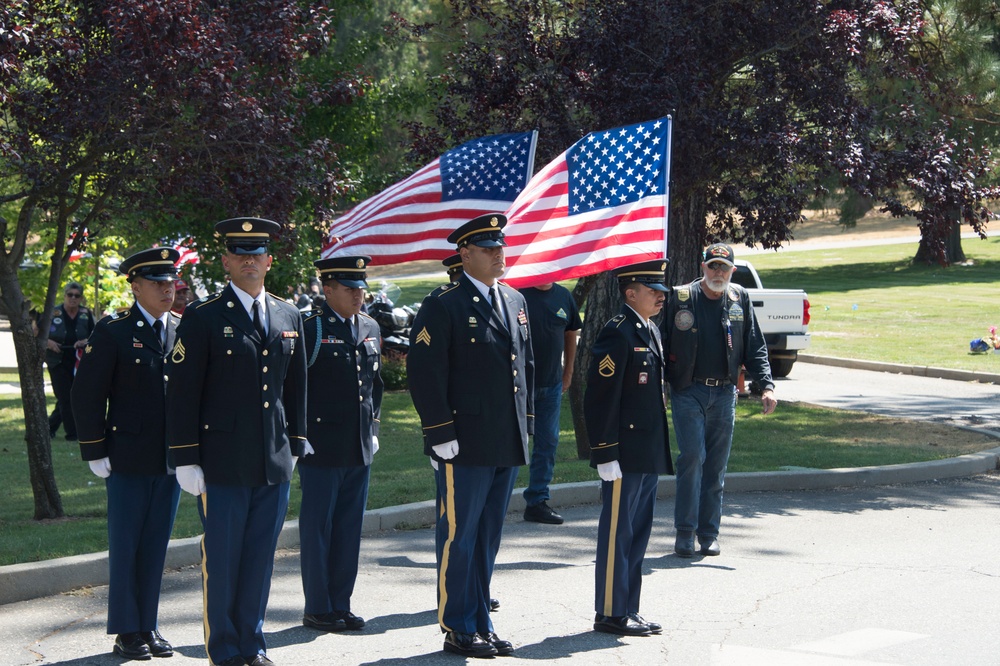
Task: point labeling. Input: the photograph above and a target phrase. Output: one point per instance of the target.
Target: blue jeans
(548, 401)
(703, 425)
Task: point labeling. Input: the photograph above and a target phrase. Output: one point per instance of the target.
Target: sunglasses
(719, 266)
(73, 294)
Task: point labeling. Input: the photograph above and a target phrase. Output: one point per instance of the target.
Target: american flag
(412, 219)
(600, 205)
(188, 251)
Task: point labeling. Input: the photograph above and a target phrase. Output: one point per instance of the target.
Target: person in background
(72, 324)
(182, 296)
(236, 425)
(709, 333)
(626, 416)
(555, 320)
(470, 374)
(118, 403)
(345, 398)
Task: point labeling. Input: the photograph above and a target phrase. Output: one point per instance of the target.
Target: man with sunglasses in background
(709, 333)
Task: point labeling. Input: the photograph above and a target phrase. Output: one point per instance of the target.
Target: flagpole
(666, 209)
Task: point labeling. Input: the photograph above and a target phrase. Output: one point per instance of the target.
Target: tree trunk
(29, 348)
(953, 252)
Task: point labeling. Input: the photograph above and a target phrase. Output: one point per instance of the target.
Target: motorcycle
(394, 322)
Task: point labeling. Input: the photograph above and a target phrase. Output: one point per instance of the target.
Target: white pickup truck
(783, 316)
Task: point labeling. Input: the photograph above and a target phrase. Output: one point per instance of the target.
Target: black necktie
(256, 321)
(495, 302)
(158, 329)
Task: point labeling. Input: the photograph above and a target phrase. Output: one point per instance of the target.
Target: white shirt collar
(481, 286)
(247, 300)
(644, 321)
(150, 318)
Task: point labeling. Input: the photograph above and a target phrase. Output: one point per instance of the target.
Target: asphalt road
(876, 575)
(969, 404)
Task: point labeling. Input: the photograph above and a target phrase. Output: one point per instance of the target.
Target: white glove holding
(374, 444)
(307, 449)
(191, 479)
(434, 464)
(609, 471)
(446, 451)
(101, 468)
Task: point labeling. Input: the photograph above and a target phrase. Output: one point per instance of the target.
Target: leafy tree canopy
(772, 102)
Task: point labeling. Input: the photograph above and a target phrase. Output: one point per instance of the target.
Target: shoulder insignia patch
(424, 337)
(205, 299)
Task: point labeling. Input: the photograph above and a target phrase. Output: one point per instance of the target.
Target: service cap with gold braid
(348, 271)
(156, 264)
(484, 231)
(247, 235)
(453, 265)
(651, 273)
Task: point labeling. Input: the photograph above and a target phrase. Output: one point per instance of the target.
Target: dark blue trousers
(237, 557)
(330, 521)
(473, 504)
(622, 535)
(141, 512)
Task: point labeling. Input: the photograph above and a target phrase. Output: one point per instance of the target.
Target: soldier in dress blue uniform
(453, 265)
(236, 424)
(470, 375)
(626, 419)
(345, 397)
(118, 402)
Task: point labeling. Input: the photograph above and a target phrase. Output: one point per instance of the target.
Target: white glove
(434, 464)
(446, 451)
(307, 449)
(374, 444)
(101, 468)
(609, 471)
(191, 479)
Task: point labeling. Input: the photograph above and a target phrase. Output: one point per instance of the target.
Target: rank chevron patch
(424, 337)
(606, 368)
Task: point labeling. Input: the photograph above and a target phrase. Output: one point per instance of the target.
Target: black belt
(711, 381)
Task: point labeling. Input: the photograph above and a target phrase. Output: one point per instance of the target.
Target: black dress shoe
(259, 660)
(158, 646)
(654, 627)
(542, 513)
(468, 645)
(324, 622)
(709, 546)
(350, 620)
(684, 544)
(622, 625)
(500, 645)
(494, 605)
(131, 646)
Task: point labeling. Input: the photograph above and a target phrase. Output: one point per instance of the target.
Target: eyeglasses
(73, 294)
(719, 266)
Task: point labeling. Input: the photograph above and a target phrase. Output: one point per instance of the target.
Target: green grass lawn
(872, 303)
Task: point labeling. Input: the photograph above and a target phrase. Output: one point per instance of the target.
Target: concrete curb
(916, 370)
(20, 582)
